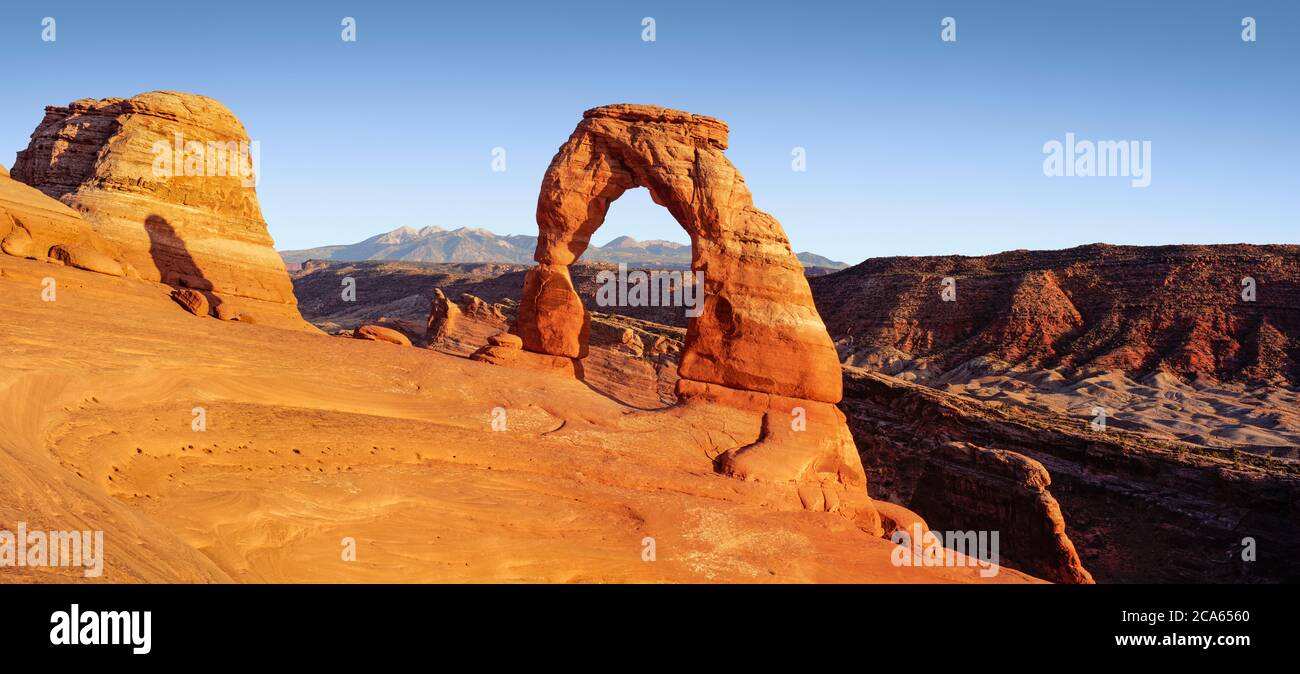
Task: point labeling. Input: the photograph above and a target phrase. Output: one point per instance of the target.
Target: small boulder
(191, 300)
(381, 334)
(18, 243)
(226, 312)
(664, 346)
(507, 340)
(84, 257)
(496, 355)
(632, 342)
(478, 308)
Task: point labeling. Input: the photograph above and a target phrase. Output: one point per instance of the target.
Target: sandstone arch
(759, 343)
(759, 330)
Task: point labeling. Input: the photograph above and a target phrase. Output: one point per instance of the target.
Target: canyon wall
(1187, 353)
(1099, 307)
(1134, 508)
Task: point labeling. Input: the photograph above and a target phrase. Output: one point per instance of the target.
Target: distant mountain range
(435, 244)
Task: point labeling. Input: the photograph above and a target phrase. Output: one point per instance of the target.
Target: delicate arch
(759, 330)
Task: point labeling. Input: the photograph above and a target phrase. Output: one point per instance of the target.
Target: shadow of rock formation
(172, 257)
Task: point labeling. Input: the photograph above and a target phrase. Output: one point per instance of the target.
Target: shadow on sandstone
(176, 266)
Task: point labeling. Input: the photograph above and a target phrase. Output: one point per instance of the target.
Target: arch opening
(636, 229)
(757, 328)
(758, 344)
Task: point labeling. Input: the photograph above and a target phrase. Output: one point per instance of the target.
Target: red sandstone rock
(381, 334)
(16, 240)
(1103, 483)
(463, 326)
(476, 307)
(496, 354)
(551, 316)
(783, 451)
(905, 433)
(83, 256)
(198, 226)
(443, 316)
(31, 223)
(506, 339)
(802, 441)
(664, 346)
(1098, 307)
(759, 343)
(502, 349)
(192, 301)
(894, 517)
(620, 337)
(759, 329)
(528, 360)
(1011, 483)
(225, 312)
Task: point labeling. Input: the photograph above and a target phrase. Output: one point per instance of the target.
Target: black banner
(209, 624)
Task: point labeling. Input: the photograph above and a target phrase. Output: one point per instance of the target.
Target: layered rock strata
(166, 180)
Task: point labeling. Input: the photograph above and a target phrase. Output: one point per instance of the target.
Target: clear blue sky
(914, 146)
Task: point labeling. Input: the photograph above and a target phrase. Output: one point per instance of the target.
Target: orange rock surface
(759, 330)
(166, 178)
(313, 440)
(378, 333)
(85, 257)
(192, 301)
(31, 222)
(758, 344)
(432, 467)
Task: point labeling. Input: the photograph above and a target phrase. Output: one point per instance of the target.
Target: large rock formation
(759, 330)
(758, 343)
(166, 179)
